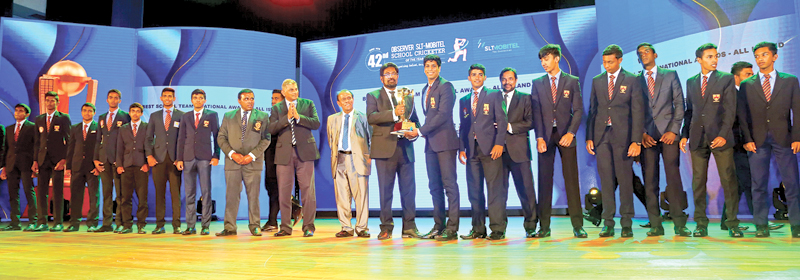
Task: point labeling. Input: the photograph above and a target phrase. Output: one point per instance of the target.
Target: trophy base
(400, 132)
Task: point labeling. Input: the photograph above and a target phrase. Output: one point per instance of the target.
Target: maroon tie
(703, 88)
(134, 130)
(85, 126)
(167, 120)
(553, 88)
(767, 87)
(610, 92)
(196, 120)
(49, 118)
(108, 122)
(16, 133)
(651, 84)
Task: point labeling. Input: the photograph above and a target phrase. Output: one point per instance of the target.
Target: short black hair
(477, 66)
(707, 46)
(90, 105)
(613, 49)
(199, 92)
(645, 44)
(388, 65)
(552, 49)
(432, 57)
(51, 93)
(114, 91)
(24, 106)
(136, 105)
(247, 90)
(274, 91)
(166, 89)
(506, 70)
(769, 45)
(739, 66)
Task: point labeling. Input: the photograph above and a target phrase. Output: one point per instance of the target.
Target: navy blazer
(130, 149)
(664, 112)
(19, 153)
(715, 111)
(624, 108)
(520, 116)
(198, 143)
(567, 110)
(776, 116)
(51, 144)
(106, 148)
(487, 126)
(160, 141)
(439, 129)
(80, 153)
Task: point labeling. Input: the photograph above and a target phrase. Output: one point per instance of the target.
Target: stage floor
(84, 255)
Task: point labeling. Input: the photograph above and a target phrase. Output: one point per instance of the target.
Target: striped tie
(651, 84)
(474, 103)
(244, 125)
(49, 118)
(108, 122)
(767, 87)
(16, 133)
(167, 120)
(291, 126)
(553, 88)
(85, 126)
(134, 130)
(610, 92)
(703, 87)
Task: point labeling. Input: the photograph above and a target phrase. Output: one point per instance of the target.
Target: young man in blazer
(767, 101)
(50, 152)
(292, 121)
(18, 158)
(161, 150)
(80, 152)
(393, 154)
(133, 168)
(614, 130)
(709, 116)
(243, 135)
(482, 139)
(557, 111)
(663, 98)
(105, 156)
(349, 136)
(199, 128)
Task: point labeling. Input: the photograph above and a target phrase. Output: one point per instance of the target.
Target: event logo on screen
(375, 59)
(459, 49)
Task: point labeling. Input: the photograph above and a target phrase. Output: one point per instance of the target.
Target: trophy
(404, 125)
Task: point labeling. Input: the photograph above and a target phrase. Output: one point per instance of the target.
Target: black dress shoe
(647, 225)
(385, 234)
(700, 232)
(656, 231)
(125, 230)
(71, 229)
(607, 232)
(159, 230)
(177, 230)
(104, 229)
(723, 226)
(57, 227)
(308, 233)
(627, 232)
(736, 232)
(363, 234)
(431, 234)
(683, 231)
(140, 230)
(118, 229)
(10, 228)
(30, 227)
(91, 229)
(344, 233)
(408, 233)
(226, 232)
(774, 226)
(579, 232)
(473, 235)
(530, 233)
(795, 231)
(282, 233)
(762, 231)
(269, 228)
(447, 235)
(496, 235)
(542, 233)
(256, 231)
(189, 231)
(205, 231)
(42, 227)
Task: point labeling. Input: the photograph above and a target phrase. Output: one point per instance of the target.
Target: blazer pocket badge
(433, 103)
(566, 94)
(485, 109)
(466, 115)
(57, 128)
(41, 129)
(205, 123)
(716, 97)
(176, 124)
(102, 124)
(93, 131)
(257, 126)
(119, 123)
(622, 89)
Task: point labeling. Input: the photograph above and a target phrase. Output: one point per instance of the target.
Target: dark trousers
(164, 172)
(480, 167)
(133, 179)
(614, 166)
(271, 185)
(400, 166)
(112, 183)
(193, 170)
(14, 176)
(741, 159)
(651, 158)
(234, 179)
(46, 172)
(787, 166)
(727, 178)
(441, 169)
(79, 181)
(569, 169)
(303, 171)
(522, 173)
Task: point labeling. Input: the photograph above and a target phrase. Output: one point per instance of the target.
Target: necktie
(505, 105)
(85, 126)
(244, 125)
(767, 87)
(291, 126)
(49, 118)
(109, 121)
(134, 130)
(346, 136)
(651, 84)
(553, 88)
(610, 93)
(16, 133)
(167, 120)
(474, 103)
(394, 99)
(703, 87)
(196, 120)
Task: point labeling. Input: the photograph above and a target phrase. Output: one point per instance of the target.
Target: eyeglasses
(389, 75)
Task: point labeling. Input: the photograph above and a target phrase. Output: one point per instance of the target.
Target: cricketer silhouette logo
(459, 50)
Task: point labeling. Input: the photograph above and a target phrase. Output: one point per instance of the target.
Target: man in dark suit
(199, 128)
(557, 111)
(80, 152)
(161, 150)
(243, 135)
(481, 148)
(292, 121)
(767, 102)
(713, 94)
(664, 107)
(441, 147)
(50, 152)
(17, 159)
(133, 168)
(393, 154)
(105, 156)
(271, 176)
(614, 129)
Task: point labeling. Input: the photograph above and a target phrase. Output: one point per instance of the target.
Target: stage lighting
(594, 206)
(779, 201)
